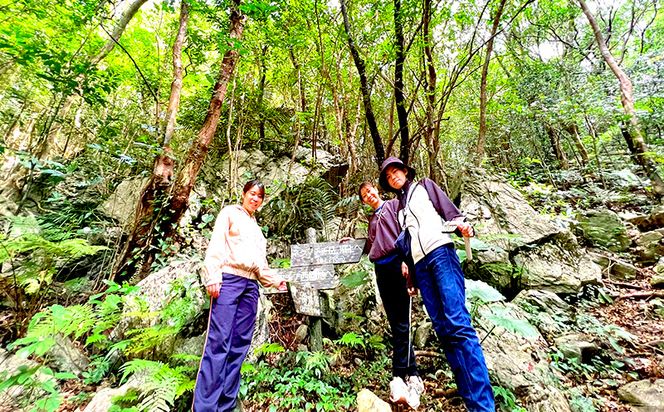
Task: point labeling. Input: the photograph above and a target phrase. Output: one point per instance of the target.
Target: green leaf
(355, 279)
(481, 291)
(502, 317)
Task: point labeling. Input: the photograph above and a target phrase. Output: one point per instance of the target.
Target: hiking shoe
(399, 392)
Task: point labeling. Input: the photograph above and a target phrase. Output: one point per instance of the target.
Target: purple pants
(230, 329)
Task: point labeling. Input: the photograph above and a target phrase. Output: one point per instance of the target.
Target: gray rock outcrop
(519, 363)
(517, 247)
(367, 401)
(645, 396)
(603, 228)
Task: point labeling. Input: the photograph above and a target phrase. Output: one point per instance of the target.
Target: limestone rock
(261, 330)
(276, 173)
(519, 363)
(301, 333)
(492, 265)
(500, 211)
(603, 228)
(644, 395)
(556, 267)
(544, 309)
(625, 178)
(12, 396)
(616, 268)
(103, 399)
(651, 221)
(657, 280)
(422, 334)
(576, 346)
(157, 290)
(121, 204)
(650, 246)
(367, 401)
(190, 346)
(67, 357)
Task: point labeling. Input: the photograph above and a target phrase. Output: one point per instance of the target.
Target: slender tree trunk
(429, 88)
(150, 204)
(481, 140)
(364, 87)
(176, 85)
(557, 147)
(261, 94)
(118, 28)
(402, 113)
(197, 153)
(573, 131)
(631, 131)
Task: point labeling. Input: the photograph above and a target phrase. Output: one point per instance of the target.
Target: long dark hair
(255, 183)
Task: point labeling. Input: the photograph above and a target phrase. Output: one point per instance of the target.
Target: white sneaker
(415, 389)
(399, 392)
(415, 384)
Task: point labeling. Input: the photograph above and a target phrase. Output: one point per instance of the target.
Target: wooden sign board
(306, 299)
(317, 277)
(329, 253)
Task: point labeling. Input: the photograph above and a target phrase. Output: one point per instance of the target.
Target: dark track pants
(393, 293)
(440, 280)
(230, 329)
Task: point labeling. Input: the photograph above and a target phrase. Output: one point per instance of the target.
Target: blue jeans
(230, 329)
(440, 280)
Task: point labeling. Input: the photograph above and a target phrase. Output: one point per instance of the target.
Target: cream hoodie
(238, 247)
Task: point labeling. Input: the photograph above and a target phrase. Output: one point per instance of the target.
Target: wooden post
(315, 322)
(312, 270)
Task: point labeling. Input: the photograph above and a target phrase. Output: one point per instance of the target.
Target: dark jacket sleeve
(443, 205)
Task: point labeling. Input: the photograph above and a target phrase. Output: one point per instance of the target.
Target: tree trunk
(429, 88)
(364, 87)
(573, 131)
(150, 204)
(196, 155)
(118, 28)
(176, 85)
(400, 101)
(481, 139)
(557, 147)
(632, 131)
(261, 94)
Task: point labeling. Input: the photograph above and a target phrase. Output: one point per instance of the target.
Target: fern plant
(34, 260)
(311, 204)
(162, 383)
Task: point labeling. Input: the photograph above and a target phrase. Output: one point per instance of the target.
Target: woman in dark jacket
(406, 385)
(425, 211)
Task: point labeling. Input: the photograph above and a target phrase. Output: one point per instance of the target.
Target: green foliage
(162, 383)
(614, 334)
(580, 403)
(481, 292)
(39, 385)
(503, 318)
(268, 348)
(351, 340)
(39, 257)
(506, 400)
(355, 279)
(306, 385)
(312, 204)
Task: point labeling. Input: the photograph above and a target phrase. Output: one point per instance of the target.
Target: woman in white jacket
(423, 209)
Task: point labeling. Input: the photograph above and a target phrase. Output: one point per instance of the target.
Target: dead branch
(642, 295)
(428, 353)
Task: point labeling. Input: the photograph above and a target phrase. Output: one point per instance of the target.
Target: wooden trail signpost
(312, 270)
